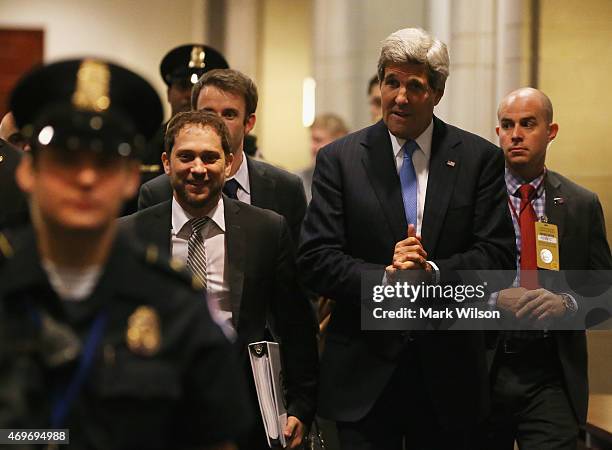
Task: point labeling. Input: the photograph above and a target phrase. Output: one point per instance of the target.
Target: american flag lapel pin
(450, 163)
(558, 200)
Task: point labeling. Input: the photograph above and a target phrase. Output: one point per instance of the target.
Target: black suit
(263, 289)
(13, 204)
(582, 246)
(271, 188)
(354, 220)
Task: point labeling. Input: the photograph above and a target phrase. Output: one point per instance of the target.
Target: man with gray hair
(409, 193)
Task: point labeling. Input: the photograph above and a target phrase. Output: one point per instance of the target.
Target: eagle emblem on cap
(197, 57)
(92, 86)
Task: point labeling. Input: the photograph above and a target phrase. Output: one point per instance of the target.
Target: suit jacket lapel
(556, 213)
(440, 183)
(382, 172)
(262, 187)
(235, 244)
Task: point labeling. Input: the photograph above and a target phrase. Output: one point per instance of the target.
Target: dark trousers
(402, 417)
(529, 401)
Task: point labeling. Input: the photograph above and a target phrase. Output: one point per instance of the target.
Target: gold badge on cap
(197, 57)
(92, 86)
(143, 334)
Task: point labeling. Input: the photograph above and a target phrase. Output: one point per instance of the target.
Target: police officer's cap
(187, 63)
(86, 104)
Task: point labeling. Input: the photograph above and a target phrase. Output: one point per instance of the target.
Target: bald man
(539, 377)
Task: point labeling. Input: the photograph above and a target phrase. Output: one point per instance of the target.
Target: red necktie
(527, 219)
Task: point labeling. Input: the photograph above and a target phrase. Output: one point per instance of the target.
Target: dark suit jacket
(271, 188)
(355, 218)
(582, 246)
(263, 287)
(13, 204)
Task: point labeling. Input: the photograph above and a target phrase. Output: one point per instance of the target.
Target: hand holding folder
(266, 366)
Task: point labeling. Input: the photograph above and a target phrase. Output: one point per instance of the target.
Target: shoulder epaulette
(173, 267)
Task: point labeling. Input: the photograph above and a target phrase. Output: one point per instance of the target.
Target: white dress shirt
(217, 286)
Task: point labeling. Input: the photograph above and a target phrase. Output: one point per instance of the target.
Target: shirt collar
(242, 175)
(423, 141)
(513, 183)
(180, 217)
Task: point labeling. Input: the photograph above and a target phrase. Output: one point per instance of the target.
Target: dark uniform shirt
(175, 384)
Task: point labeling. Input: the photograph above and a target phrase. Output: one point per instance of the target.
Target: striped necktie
(196, 252)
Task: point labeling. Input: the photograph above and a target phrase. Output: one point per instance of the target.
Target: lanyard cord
(62, 405)
(530, 199)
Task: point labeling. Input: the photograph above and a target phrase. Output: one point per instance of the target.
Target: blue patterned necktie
(408, 181)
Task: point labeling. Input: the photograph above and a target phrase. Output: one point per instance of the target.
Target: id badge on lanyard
(547, 245)
(547, 238)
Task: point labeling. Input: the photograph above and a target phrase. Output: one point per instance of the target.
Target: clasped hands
(538, 307)
(409, 254)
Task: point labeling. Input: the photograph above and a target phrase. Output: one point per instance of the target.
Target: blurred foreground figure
(97, 337)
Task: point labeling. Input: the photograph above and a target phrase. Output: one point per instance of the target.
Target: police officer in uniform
(96, 336)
